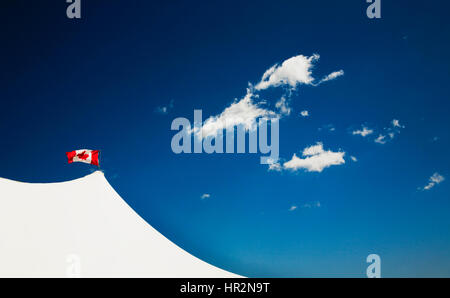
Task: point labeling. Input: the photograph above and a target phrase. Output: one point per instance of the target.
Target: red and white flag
(83, 155)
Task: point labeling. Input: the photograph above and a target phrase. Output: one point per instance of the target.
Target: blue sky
(99, 82)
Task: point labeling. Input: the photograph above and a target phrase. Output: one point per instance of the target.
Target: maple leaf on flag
(83, 155)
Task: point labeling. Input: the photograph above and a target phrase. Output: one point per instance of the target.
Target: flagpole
(99, 161)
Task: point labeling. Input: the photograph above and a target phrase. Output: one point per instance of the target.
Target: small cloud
(312, 205)
(391, 131)
(433, 181)
(436, 178)
(283, 106)
(293, 72)
(327, 127)
(396, 123)
(315, 159)
(274, 166)
(205, 196)
(435, 139)
(293, 208)
(394, 129)
(332, 76)
(381, 139)
(353, 158)
(304, 113)
(164, 109)
(363, 132)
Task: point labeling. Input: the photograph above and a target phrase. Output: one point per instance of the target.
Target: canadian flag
(83, 155)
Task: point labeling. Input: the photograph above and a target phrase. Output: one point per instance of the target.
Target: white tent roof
(84, 228)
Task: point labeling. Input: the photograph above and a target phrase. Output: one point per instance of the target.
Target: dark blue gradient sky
(96, 82)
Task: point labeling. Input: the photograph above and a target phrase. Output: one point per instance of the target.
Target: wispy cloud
(394, 129)
(243, 112)
(292, 72)
(388, 133)
(316, 204)
(304, 113)
(205, 196)
(435, 179)
(396, 123)
(293, 208)
(332, 76)
(309, 205)
(391, 131)
(164, 109)
(381, 139)
(274, 166)
(365, 131)
(283, 106)
(353, 158)
(327, 127)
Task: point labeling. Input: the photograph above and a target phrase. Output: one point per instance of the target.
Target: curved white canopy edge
(84, 228)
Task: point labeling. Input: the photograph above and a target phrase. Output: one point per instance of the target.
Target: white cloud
(274, 166)
(353, 158)
(381, 139)
(332, 76)
(434, 180)
(363, 132)
(243, 112)
(396, 123)
(304, 113)
(205, 196)
(391, 131)
(283, 106)
(293, 71)
(394, 129)
(315, 159)
(313, 150)
(312, 205)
